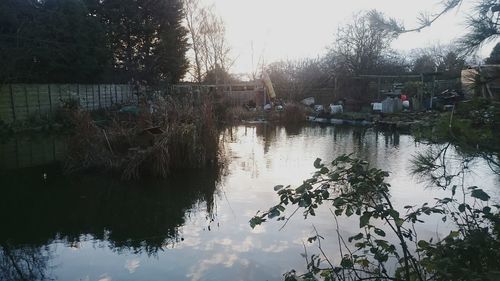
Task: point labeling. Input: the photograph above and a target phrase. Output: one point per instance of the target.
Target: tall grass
(293, 113)
(179, 133)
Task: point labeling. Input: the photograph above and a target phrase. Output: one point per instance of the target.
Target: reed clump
(293, 113)
(167, 134)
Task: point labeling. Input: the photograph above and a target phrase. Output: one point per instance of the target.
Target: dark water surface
(195, 225)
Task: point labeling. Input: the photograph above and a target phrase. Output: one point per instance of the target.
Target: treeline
(88, 41)
(362, 47)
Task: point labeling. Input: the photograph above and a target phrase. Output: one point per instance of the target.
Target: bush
(293, 113)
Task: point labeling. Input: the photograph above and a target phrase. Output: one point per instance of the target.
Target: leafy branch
(352, 188)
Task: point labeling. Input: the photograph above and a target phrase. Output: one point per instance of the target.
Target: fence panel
(22, 101)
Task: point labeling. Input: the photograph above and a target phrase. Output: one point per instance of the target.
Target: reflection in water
(141, 217)
(25, 152)
(26, 262)
(443, 165)
(93, 227)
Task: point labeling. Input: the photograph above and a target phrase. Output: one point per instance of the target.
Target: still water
(195, 225)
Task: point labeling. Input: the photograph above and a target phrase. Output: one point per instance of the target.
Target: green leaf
(312, 239)
(380, 232)
(423, 244)
(346, 263)
(359, 245)
(256, 221)
(339, 201)
(301, 189)
(461, 207)
(348, 211)
(324, 170)
(363, 262)
(317, 163)
(394, 214)
(355, 237)
(273, 213)
(302, 203)
(480, 194)
(453, 234)
(365, 219)
(278, 187)
(325, 194)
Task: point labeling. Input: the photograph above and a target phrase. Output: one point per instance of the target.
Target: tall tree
(424, 64)
(147, 38)
(443, 59)
(294, 79)
(50, 41)
(451, 65)
(360, 45)
(361, 48)
(210, 52)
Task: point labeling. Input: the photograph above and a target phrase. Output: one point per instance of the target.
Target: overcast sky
(281, 29)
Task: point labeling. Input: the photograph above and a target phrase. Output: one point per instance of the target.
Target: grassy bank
(474, 126)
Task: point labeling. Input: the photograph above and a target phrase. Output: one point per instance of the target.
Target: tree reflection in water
(443, 165)
(25, 263)
(141, 217)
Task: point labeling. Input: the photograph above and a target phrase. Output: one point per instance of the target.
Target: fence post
(93, 98)
(60, 96)
(99, 94)
(116, 95)
(78, 93)
(12, 103)
(50, 100)
(26, 101)
(86, 98)
(110, 95)
(121, 93)
(38, 97)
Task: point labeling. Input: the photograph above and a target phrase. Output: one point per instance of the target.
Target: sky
(293, 29)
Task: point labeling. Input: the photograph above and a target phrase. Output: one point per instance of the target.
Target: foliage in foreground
(353, 189)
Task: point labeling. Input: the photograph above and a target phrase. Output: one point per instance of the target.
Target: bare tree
(209, 46)
(194, 21)
(296, 78)
(360, 45)
(442, 58)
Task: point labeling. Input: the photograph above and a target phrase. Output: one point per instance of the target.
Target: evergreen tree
(146, 37)
(494, 57)
(451, 65)
(50, 41)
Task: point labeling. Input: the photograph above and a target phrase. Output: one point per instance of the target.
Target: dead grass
(293, 113)
(180, 133)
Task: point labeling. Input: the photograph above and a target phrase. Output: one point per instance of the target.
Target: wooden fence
(22, 101)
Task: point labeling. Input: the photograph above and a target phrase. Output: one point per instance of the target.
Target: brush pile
(169, 134)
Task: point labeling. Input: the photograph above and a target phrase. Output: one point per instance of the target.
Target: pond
(193, 226)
